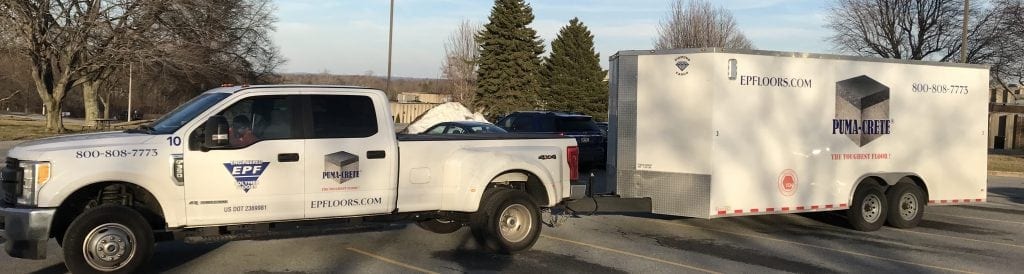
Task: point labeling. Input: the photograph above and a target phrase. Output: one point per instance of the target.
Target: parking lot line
(388, 260)
(976, 218)
(815, 246)
(630, 254)
(955, 237)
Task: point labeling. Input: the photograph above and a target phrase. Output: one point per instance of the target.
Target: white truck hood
(78, 141)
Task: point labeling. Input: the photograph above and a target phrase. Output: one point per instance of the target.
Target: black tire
(110, 227)
(521, 221)
(439, 226)
(869, 208)
(906, 205)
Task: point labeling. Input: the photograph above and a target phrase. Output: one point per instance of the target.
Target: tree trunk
(54, 121)
(105, 101)
(90, 96)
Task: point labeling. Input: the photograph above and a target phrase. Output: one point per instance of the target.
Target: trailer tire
(508, 221)
(869, 208)
(906, 207)
(439, 226)
(108, 239)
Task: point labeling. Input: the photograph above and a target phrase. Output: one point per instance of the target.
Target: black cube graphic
(341, 166)
(862, 98)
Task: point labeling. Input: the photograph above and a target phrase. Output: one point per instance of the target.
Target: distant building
(1006, 118)
(430, 98)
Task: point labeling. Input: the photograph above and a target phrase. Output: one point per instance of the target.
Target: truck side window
(343, 116)
(259, 118)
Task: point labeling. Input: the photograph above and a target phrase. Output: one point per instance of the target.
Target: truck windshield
(184, 113)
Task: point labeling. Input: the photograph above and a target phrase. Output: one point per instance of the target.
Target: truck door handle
(375, 154)
(288, 157)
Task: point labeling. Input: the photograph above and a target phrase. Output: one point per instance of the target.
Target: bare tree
(910, 29)
(1007, 45)
(697, 24)
(460, 61)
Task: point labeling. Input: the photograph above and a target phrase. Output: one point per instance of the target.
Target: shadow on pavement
(1014, 194)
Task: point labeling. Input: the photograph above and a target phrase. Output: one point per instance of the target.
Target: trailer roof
(794, 55)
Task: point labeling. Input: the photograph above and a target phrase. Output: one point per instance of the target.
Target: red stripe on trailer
(955, 201)
(770, 209)
(977, 200)
(785, 208)
(753, 210)
(814, 207)
(800, 208)
(828, 206)
(842, 205)
(738, 211)
(942, 201)
(931, 201)
(721, 212)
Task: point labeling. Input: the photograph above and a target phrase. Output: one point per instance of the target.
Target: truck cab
(235, 158)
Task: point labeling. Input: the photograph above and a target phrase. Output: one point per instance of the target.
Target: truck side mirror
(215, 132)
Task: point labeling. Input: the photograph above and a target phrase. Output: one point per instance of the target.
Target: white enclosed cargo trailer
(714, 133)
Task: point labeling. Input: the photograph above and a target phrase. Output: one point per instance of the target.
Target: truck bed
(469, 137)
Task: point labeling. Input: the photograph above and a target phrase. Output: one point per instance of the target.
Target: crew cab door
(351, 155)
(259, 176)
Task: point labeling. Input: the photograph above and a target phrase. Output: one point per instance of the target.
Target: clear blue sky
(350, 36)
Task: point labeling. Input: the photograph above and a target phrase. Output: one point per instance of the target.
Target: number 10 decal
(174, 141)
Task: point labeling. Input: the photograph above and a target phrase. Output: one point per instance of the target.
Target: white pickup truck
(254, 160)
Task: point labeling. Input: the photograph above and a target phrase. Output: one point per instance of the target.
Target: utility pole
(129, 91)
(963, 43)
(391, 35)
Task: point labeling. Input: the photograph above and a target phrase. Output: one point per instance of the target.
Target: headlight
(36, 174)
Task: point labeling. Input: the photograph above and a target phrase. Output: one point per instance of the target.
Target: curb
(1006, 173)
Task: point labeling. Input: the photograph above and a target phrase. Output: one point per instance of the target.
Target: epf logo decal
(246, 172)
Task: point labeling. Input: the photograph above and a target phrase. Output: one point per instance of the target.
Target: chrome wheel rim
(515, 223)
(908, 206)
(109, 246)
(872, 208)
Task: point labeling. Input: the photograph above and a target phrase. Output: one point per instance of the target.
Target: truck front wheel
(508, 221)
(108, 239)
(869, 208)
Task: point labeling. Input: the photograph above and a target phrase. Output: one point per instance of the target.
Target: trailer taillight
(572, 155)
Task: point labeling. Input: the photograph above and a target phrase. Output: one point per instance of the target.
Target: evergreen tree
(508, 77)
(573, 78)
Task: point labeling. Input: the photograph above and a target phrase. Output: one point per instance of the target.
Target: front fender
(469, 171)
(65, 182)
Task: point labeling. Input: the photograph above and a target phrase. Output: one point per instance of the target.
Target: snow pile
(447, 112)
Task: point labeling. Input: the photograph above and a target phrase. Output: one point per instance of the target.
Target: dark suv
(588, 136)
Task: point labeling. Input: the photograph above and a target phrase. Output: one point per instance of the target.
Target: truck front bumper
(26, 230)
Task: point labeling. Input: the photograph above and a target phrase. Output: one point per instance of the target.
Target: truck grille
(10, 181)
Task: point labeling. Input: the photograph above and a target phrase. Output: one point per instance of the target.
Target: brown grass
(1011, 163)
(23, 129)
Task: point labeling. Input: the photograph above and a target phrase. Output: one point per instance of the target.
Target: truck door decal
(246, 172)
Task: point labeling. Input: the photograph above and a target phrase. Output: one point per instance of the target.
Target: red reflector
(572, 155)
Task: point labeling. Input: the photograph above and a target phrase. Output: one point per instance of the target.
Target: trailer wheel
(869, 208)
(906, 205)
(439, 226)
(108, 239)
(508, 221)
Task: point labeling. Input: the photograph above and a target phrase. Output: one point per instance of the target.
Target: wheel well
(871, 180)
(524, 181)
(916, 181)
(123, 193)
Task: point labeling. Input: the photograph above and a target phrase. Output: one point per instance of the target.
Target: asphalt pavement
(977, 238)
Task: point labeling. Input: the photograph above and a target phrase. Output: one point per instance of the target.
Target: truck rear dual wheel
(108, 239)
(906, 205)
(869, 208)
(507, 221)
